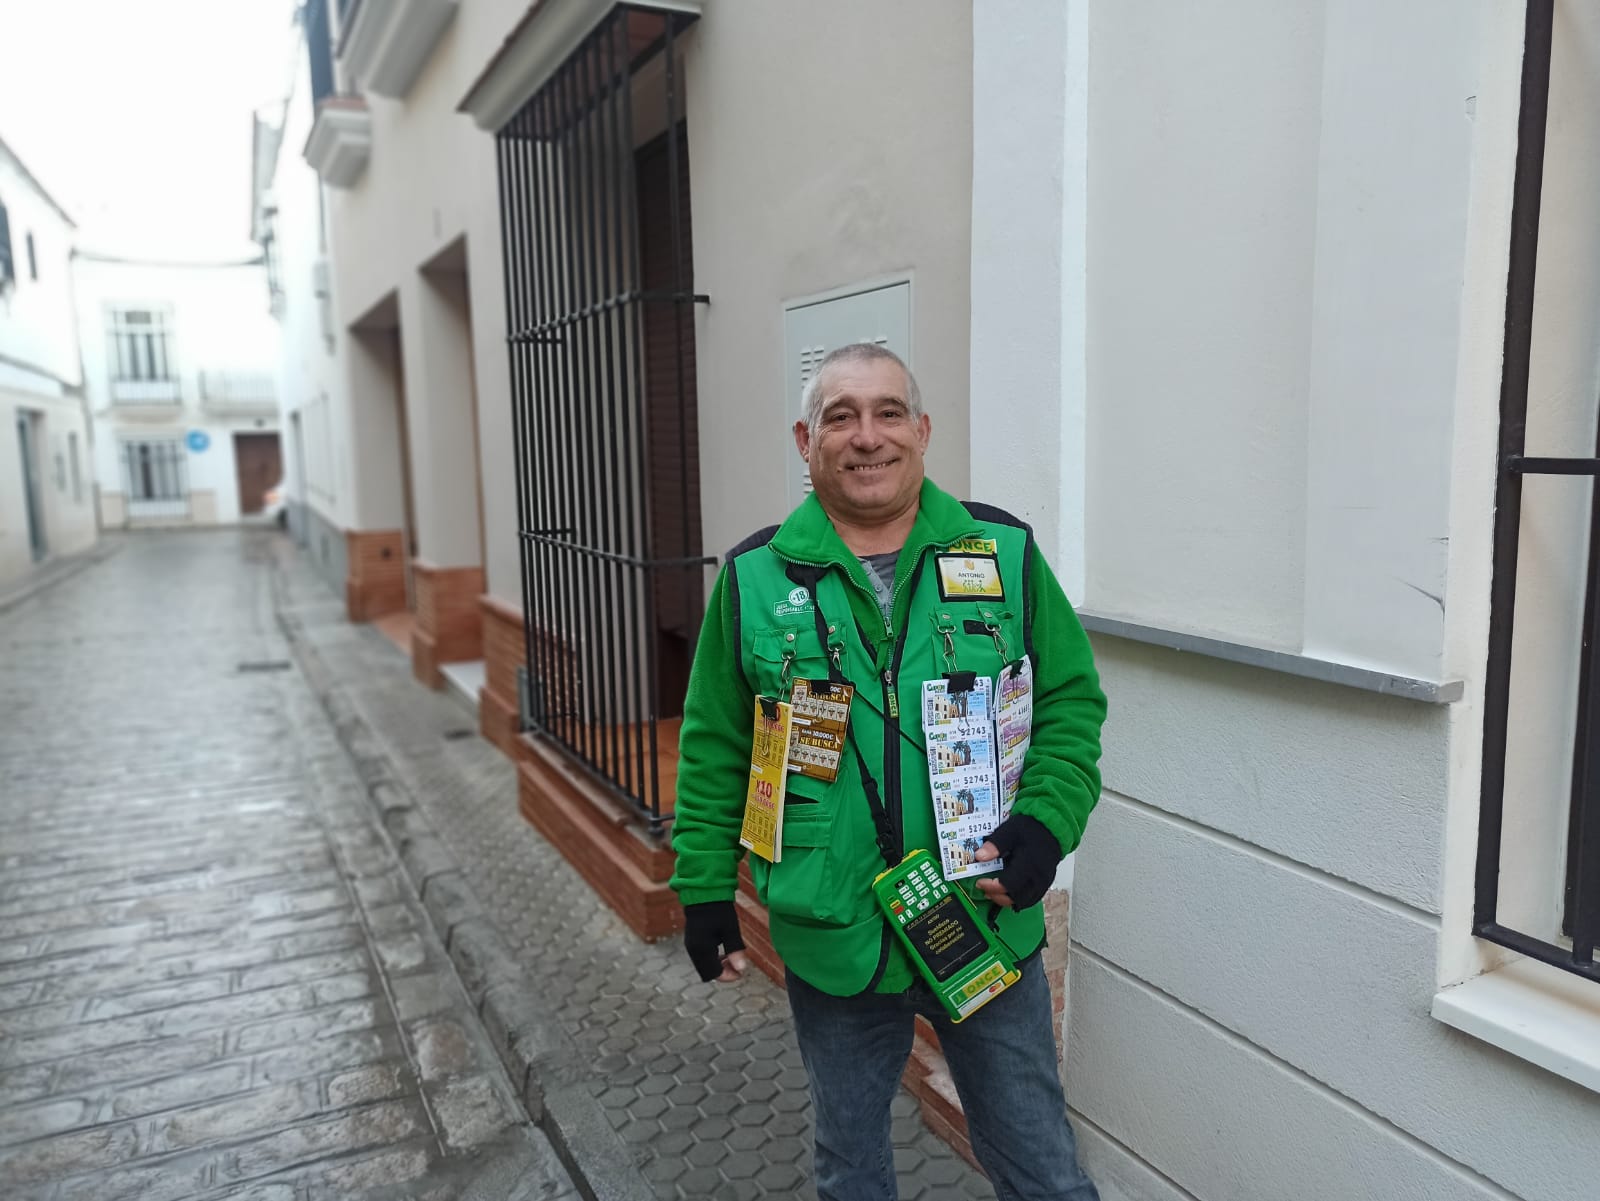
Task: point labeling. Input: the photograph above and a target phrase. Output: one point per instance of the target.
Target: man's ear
(802, 440)
(926, 430)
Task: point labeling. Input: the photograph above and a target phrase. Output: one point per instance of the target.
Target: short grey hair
(855, 352)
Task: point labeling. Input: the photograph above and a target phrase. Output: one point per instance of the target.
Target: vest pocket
(795, 645)
(803, 884)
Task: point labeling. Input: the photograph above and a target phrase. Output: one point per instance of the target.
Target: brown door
(260, 464)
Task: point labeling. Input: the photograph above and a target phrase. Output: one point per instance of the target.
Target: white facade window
(156, 475)
(77, 468)
(141, 345)
(8, 267)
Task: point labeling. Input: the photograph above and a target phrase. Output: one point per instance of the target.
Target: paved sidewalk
(700, 1090)
(215, 982)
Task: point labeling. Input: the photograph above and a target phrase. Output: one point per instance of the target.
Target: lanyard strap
(888, 842)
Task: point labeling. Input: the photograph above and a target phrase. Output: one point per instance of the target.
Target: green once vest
(824, 919)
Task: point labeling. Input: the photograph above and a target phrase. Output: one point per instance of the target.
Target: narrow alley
(213, 979)
(216, 977)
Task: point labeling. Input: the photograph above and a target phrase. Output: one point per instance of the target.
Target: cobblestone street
(221, 804)
(214, 981)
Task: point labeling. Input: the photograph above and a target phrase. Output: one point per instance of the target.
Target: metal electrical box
(811, 328)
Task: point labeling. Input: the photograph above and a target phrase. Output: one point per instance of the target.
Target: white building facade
(46, 475)
(1256, 258)
(1217, 300)
(180, 366)
(289, 223)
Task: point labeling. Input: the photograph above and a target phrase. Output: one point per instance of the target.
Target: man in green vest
(863, 584)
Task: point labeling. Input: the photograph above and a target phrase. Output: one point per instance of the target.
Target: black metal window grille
(141, 345)
(1581, 893)
(156, 475)
(33, 261)
(599, 301)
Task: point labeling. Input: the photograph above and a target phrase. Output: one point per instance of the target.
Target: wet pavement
(701, 1088)
(215, 980)
(271, 927)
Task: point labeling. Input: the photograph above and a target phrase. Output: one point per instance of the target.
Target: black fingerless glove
(711, 930)
(1031, 854)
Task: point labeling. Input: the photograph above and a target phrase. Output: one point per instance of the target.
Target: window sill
(1433, 692)
(1533, 1011)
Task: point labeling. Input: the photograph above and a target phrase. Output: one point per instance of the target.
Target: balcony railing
(146, 393)
(247, 392)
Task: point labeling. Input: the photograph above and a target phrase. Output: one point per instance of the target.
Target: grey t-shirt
(880, 572)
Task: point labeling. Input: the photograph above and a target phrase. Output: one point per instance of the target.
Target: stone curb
(547, 1067)
(57, 572)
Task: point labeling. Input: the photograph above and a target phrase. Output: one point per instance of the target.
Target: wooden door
(260, 465)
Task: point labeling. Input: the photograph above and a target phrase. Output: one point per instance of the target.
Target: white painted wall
(40, 375)
(37, 322)
(823, 159)
(310, 377)
(220, 321)
(882, 196)
(1028, 192)
(1296, 222)
(431, 182)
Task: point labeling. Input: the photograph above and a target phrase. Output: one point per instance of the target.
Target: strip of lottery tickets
(976, 749)
(958, 729)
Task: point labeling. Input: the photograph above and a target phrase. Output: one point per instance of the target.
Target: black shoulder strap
(888, 839)
(760, 538)
(999, 516)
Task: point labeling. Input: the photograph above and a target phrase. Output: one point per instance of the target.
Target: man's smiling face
(866, 454)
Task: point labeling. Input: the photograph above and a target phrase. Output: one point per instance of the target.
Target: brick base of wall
(503, 653)
(600, 837)
(449, 625)
(376, 583)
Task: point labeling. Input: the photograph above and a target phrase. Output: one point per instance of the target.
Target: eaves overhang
(387, 42)
(545, 38)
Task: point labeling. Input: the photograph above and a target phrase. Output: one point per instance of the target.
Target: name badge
(969, 577)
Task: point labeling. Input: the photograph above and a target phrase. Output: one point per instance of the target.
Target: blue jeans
(1003, 1061)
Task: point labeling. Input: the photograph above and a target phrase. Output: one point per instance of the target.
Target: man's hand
(1031, 854)
(711, 936)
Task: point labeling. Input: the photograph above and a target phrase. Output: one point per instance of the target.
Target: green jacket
(825, 921)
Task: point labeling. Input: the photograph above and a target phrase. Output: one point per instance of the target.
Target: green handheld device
(964, 963)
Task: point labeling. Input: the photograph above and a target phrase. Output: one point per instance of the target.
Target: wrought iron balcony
(386, 43)
(340, 141)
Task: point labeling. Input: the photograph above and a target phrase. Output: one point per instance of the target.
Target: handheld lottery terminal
(964, 964)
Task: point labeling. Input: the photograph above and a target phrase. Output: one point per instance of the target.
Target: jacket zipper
(891, 733)
(891, 724)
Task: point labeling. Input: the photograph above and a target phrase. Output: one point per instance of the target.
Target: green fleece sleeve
(713, 759)
(1061, 776)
